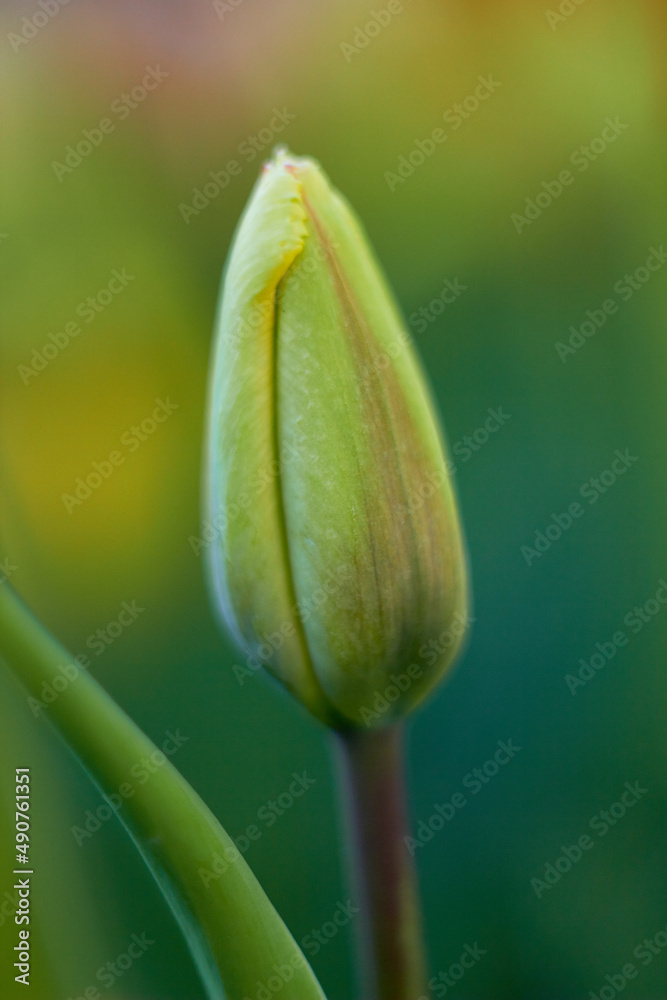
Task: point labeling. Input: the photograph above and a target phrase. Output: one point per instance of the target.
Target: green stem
(392, 959)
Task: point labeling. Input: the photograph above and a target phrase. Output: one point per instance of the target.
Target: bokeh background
(226, 68)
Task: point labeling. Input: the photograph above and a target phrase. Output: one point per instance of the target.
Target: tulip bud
(338, 560)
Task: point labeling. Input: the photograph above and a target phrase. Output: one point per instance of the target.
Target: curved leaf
(237, 938)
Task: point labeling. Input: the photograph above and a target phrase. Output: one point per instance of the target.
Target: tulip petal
(248, 561)
(350, 547)
(353, 402)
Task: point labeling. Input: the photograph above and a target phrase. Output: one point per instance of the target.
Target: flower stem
(371, 769)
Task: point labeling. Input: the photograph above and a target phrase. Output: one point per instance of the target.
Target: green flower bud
(338, 560)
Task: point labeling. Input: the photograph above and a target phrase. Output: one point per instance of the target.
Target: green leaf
(237, 938)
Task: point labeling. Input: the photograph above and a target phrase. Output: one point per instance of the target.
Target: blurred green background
(225, 68)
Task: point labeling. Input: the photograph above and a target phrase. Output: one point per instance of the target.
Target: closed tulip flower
(338, 558)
